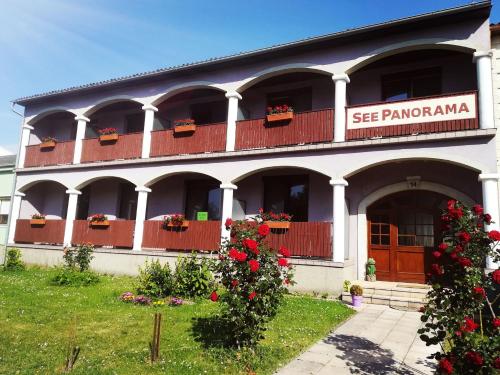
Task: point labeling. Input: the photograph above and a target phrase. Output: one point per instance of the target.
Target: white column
(80, 135)
(70, 215)
(149, 118)
(232, 116)
(16, 208)
(490, 205)
(140, 217)
(25, 141)
(338, 219)
(485, 88)
(227, 207)
(341, 81)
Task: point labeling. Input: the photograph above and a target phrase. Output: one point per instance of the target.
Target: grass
(35, 321)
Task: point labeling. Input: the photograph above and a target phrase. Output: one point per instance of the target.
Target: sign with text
(456, 107)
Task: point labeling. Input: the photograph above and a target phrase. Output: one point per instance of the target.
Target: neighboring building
(7, 164)
(390, 121)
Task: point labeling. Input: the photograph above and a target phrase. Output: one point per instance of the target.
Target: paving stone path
(377, 340)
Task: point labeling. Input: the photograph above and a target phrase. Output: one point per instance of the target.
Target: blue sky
(53, 44)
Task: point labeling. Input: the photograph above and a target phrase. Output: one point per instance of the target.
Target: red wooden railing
(305, 127)
(128, 146)
(120, 233)
(200, 235)
(304, 239)
(50, 233)
(418, 128)
(62, 153)
(206, 138)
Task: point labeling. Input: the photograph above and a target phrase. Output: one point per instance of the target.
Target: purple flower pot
(357, 300)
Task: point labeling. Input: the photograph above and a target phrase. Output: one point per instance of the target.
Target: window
(209, 113)
(82, 212)
(413, 84)
(128, 202)
(135, 122)
(415, 229)
(380, 230)
(4, 210)
(299, 99)
(289, 194)
(203, 196)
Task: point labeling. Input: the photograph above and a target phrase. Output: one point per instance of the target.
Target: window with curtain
(4, 210)
(289, 194)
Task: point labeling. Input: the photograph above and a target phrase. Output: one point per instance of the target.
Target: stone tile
(298, 367)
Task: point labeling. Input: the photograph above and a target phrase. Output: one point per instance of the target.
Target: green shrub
(13, 261)
(193, 277)
(67, 276)
(155, 280)
(79, 257)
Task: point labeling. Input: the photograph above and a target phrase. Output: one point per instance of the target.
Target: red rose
(445, 218)
(487, 218)
(284, 251)
(494, 235)
(456, 213)
(214, 297)
(496, 364)
(234, 283)
(241, 257)
(479, 292)
(436, 254)
(282, 262)
(442, 246)
(254, 265)
(451, 204)
(436, 269)
(252, 296)
(251, 245)
(263, 230)
(469, 325)
(495, 276)
(464, 237)
(233, 253)
(228, 223)
(445, 366)
(261, 210)
(478, 210)
(459, 249)
(496, 322)
(454, 255)
(474, 358)
(464, 262)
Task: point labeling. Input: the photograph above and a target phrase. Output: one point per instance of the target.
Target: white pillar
(140, 217)
(16, 208)
(25, 141)
(70, 215)
(227, 207)
(149, 118)
(232, 116)
(338, 219)
(80, 135)
(341, 81)
(490, 205)
(485, 88)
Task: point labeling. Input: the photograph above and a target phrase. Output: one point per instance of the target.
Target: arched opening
(195, 196)
(126, 116)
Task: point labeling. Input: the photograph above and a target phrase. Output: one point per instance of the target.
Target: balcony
(51, 233)
(62, 153)
(128, 146)
(206, 138)
(305, 127)
(119, 233)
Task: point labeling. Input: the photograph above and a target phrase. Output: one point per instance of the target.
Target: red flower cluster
(478, 209)
(186, 121)
(271, 216)
(263, 230)
(496, 364)
(174, 219)
(214, 297)
(252, 296)
(494, 235)
(496, 322)
(464, 237)
(469, 325)
(254, 265)
(234, 283)
(228, 223)
(464, 262)
(445, 366)
(479, 292)
(251, 245)
(436, 269)
(98, 217)
(495, 276)
(240, 256)
(487, 218)
(279, 109)
(282, 262)
(284, 251)
(107, 131)
(474, 358)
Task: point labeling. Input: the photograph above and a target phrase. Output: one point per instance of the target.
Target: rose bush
(461, 311)
(255, 278)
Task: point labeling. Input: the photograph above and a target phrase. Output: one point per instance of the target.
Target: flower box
(100, 224)
(47, 145)
(108, 137)
(275, 117)
(184, 224)
(37, 222)
(185, 128)
(278, 224)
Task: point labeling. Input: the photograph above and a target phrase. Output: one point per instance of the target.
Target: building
(389, 122)
(7, 164)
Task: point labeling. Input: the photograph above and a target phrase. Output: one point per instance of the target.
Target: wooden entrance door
(402, 234)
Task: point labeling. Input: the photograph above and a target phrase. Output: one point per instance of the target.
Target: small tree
(460, 313)
(13, 260)
(255, 278)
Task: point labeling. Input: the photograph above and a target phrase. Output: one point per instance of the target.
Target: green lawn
(35, 321)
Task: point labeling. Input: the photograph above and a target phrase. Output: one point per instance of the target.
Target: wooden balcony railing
(304, 239)
(128, 146)
(120, 233)
(206, 138)
(52, 233)
(433, 114)
(62, 153)
(200, 235)
(305, 127)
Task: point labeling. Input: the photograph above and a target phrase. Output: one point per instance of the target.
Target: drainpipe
(14, 183)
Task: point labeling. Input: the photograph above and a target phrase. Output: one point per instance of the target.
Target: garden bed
(35, 320)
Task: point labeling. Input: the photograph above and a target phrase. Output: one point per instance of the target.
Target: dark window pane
(385, 240)
(128, 201)
(385, 228)
(299, 99)
(289, 194)
(3, 219)
(375, 239)
(204, 196)
(135, 123)
(375, 228)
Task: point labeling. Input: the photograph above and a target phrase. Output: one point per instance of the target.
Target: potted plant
(184, 126)
(370, 270)
(279, 113)
(108, 135)
(175, 220)
(357, 295)
(274, 220)
(37, 220)
(48, 143)
(98, 220)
